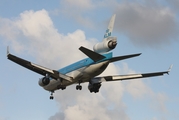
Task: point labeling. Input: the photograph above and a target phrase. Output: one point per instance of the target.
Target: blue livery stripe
(83, 63)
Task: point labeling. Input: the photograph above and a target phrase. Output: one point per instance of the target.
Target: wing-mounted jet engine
(108, 43)
(44, 81)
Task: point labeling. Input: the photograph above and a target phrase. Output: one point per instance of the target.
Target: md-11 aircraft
(85, 70)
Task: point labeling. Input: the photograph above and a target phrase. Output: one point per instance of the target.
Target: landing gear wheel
(61, 87)
(78, 87)
(51, 97)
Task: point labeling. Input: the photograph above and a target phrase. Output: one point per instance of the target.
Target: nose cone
(112, 44)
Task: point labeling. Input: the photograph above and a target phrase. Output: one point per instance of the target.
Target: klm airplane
(86, 69)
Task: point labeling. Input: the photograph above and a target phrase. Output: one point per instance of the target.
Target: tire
(80, 87)
(77, 87)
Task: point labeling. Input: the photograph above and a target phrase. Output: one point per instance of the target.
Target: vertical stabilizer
(108, 43)
(110, 27)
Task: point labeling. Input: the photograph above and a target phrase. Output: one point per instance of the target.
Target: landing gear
(79, 87)
(51, 96)
(61, 87)
(94, 87)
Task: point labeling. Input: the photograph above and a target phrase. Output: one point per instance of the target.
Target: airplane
(85, 70)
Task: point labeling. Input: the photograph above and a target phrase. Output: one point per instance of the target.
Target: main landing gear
(61, 87)
(79, 87)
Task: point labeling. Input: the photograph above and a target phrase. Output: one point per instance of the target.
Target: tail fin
(110, 27)
(108, 43)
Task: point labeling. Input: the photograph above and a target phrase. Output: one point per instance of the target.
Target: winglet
(7, 50)
(170, 68)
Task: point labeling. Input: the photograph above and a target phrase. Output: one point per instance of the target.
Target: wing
(127, 77)
(37, 68)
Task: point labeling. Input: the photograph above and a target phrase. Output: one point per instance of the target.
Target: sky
(49, 33)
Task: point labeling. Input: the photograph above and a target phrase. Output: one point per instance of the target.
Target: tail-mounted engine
(94, 87)
(105, 46)
(44, 81)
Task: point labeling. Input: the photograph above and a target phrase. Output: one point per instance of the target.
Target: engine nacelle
(94, 87)
(105, 46)
(44, 81)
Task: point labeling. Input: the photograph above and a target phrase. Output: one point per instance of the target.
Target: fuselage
(83, 71)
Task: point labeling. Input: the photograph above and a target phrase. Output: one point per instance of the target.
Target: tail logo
(107, 34)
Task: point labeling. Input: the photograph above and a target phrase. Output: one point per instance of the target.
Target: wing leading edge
(128, 77)
(37, 68)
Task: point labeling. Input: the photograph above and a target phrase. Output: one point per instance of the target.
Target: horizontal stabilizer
(114, 59)
(91, 54)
